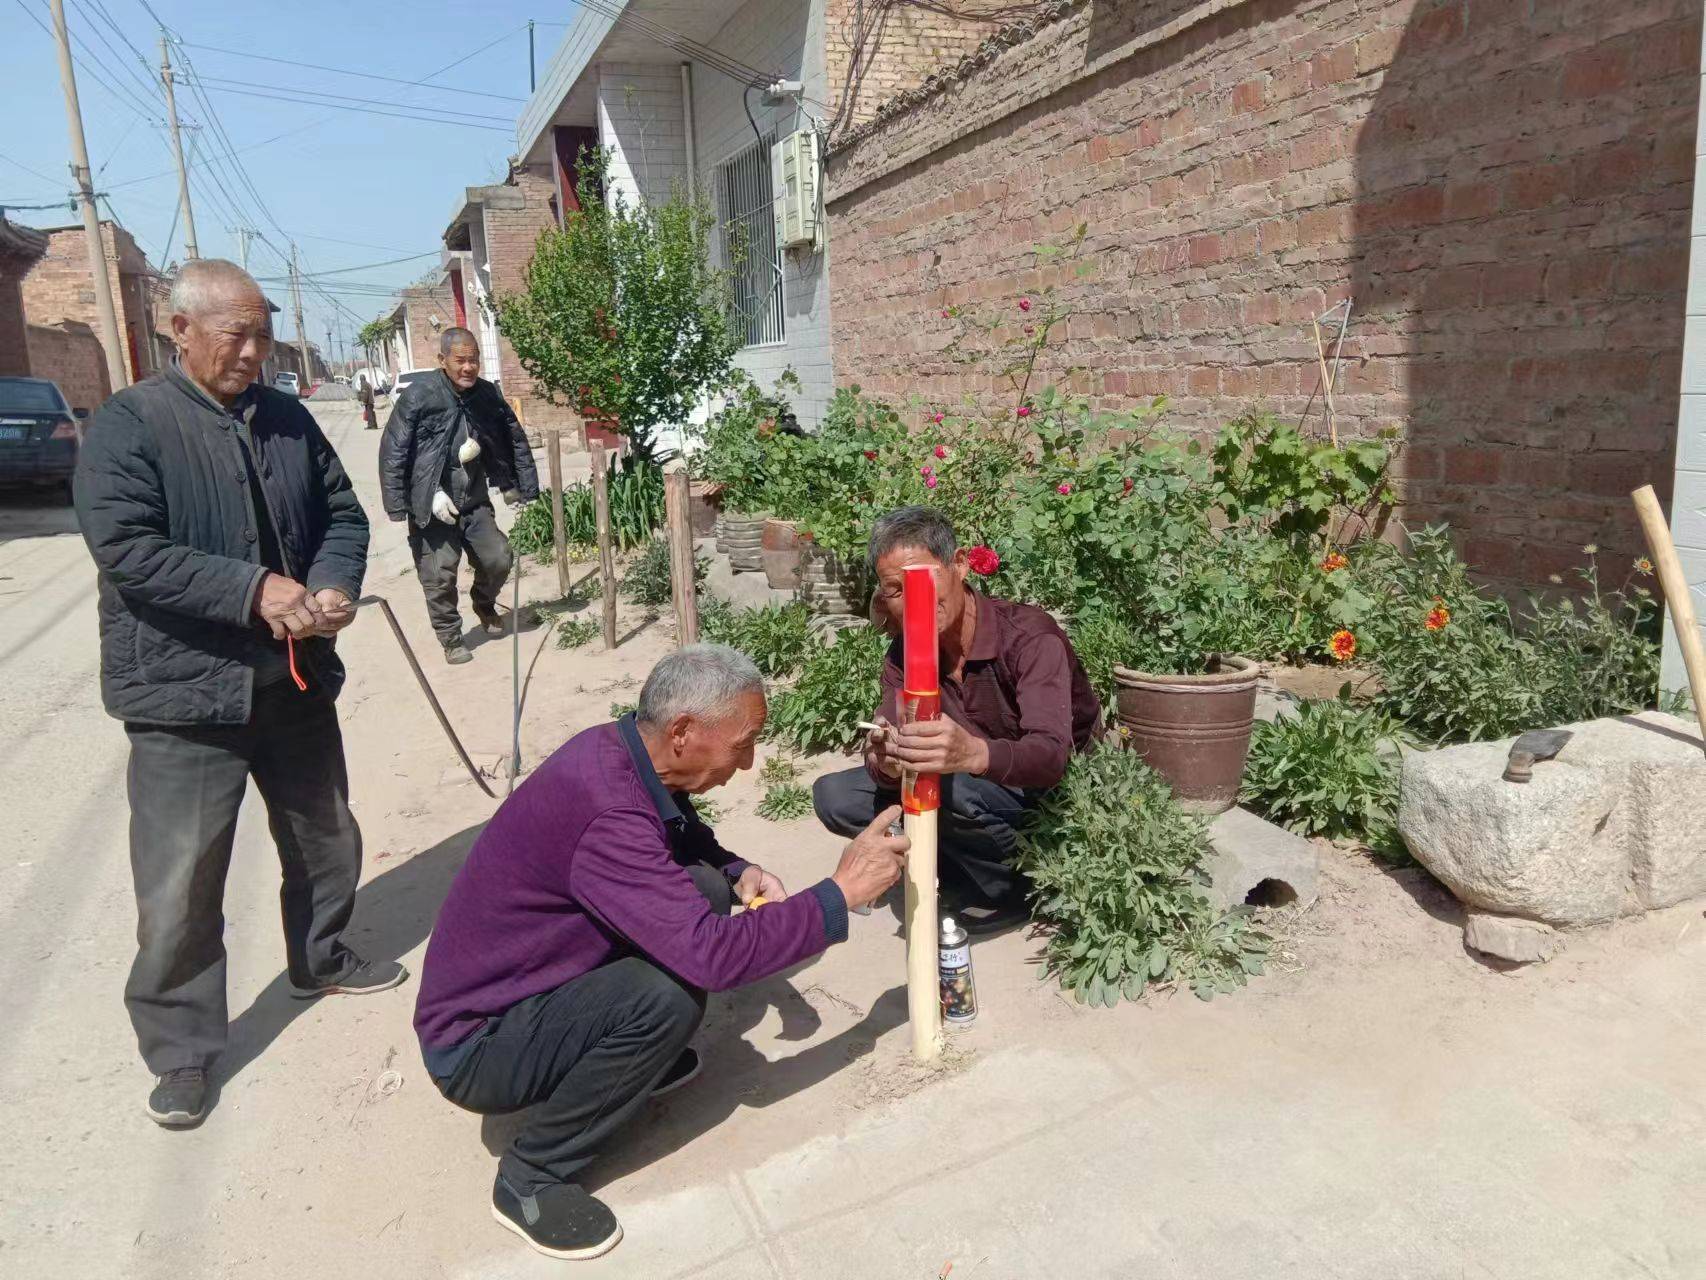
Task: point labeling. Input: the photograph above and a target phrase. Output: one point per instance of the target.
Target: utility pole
(244, 235)
(191, 249)
(102, 282)
(532, 79)
(296, 303)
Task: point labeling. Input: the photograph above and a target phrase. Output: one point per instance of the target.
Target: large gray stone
(1615, 825)
(1249, 852)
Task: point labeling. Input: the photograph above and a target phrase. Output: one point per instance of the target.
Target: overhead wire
(222, 85)
(127, 100)
(342, 71)
(366, 111)
(150, 86)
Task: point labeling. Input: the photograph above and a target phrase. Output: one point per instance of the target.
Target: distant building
(58, 292)
(20, 249)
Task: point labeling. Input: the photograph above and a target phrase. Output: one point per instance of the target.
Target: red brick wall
(59, 289)
(71, 355)
(899, 47)
(1503, 195)
(14, 344)
(423, 303)
(512, 230)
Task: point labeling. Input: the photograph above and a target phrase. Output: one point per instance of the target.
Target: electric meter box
(793, 180)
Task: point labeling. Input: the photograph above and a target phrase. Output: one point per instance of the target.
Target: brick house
(58, 293)
(1500, 191)
(488, 244)
(20, 249)
(421, 313)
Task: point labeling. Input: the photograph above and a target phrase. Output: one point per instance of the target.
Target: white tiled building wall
(1688, 507)
(640, 120)
(784, 37)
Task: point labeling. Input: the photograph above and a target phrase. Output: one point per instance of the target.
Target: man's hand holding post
(286, 606)
(938, 746)
(872, 862)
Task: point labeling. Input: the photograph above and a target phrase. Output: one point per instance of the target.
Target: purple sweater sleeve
(624, 875)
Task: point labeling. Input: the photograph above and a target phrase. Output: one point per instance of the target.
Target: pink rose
(1024, 304)
(929, 482)
(941, 451)
(926, 472)
(1030, 328)
(1063, 488)
(946, 314)
(936, 418)
(1024, 411)
(870, 455)
(1128, 483)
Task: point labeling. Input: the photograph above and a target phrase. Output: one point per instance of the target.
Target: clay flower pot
(783, 546)
(827, 587)
(1192, 730)
(743, 538)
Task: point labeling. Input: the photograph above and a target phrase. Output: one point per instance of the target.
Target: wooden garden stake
(1326, 385)
(559, 540)
(679, 524)
(921, 798)
(606, 554)
(1677, 598)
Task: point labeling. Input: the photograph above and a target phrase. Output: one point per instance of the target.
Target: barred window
(746, 218)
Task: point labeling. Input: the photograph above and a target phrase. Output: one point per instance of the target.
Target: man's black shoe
(179, 1099)
(366, 978)
(493, 625)
(559, 1220)
(683, 1069)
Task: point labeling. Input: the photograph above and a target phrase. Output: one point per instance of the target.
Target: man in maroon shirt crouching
(569, 965)
(1015, 705)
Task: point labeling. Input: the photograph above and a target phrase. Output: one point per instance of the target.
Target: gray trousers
(186, 785)
(438, 550)
(977, 832)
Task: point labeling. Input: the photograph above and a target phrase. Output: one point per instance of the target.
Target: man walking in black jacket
(230, 549)
(446, 438)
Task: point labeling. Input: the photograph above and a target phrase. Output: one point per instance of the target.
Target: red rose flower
(870, 455)
(1063, 488)
(1024, 304)
(941, 451)
(936, 418)
(1127, 484)
(1024, 411)
(983, 560)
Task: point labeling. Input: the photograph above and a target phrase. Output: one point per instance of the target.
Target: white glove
(512, 498)
(443, 508)
(469, 451)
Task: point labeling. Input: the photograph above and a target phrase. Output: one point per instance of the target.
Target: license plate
(14, 433)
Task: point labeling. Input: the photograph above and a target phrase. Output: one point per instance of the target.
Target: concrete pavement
(1383, 1105)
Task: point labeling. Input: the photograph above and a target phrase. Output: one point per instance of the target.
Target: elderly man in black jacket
(230, 550)
(447, 436)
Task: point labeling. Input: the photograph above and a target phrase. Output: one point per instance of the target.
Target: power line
(389, 262)
(253, 146)
(365, 75)
(223, 85)
(149, 85)
(370, 111)
(34, 173)
(129, 102)
(356, 244)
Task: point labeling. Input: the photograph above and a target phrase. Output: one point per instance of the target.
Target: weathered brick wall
(58, 289)
(71, 355)
(899, 46)
(512, 227)
(423, 304)
(1500, 188)
(14, 343)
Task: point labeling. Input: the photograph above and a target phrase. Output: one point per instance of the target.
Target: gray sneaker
(367, 977)
(179, 1099)
(456, 653)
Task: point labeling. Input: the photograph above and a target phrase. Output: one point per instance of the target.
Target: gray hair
(201, 284)
(451, 336)
(699, 680)
(923, 527)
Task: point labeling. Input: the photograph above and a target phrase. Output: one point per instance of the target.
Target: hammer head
(1530, 749)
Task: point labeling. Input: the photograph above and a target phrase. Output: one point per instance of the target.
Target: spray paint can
(959, 988)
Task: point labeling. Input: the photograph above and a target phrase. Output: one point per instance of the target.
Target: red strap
(290, 652)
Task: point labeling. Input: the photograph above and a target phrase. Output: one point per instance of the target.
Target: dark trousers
(438, 549)
(585, 1057)
(186, 785)
(977, 831)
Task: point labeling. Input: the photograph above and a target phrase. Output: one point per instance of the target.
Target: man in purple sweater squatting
(569, 965)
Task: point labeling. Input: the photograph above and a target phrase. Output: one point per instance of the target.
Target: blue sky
(353, 189)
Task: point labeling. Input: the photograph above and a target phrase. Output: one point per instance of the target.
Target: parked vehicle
(39, 434)
(406, 377)
(288, 381)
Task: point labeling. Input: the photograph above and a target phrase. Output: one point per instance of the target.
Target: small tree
(623, 317)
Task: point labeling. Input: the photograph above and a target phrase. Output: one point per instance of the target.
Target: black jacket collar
(663, 799)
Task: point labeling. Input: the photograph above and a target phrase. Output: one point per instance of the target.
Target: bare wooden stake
(1678, 602)
(679, 524)
(559, 540)
(606, 554)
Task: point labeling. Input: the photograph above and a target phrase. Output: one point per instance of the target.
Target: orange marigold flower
(1343, 646)
(1334, 562)
(1643, 565)
(1437, 617)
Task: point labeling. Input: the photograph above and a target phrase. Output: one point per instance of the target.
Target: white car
(286, 381)
(406, 377)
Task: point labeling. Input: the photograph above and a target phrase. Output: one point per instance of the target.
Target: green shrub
(839, 686)
(784, 798)
(1117, 867)
(778, 638)
(1328, 769)
(576, 633)
(636, 512)
(646, 581)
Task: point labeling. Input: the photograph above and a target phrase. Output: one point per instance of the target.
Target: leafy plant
(1328, 769)
(710, 811)
(636, 512)
(576, 633)
(647, 580)
(622, 315)
(838, 687)
(620, 709)
(1117, 867)
(778, 638)
(784, 798)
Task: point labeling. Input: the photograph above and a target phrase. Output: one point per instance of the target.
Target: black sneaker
(366, 978)
(560, 1220)
(456, 653)
(179, 1099)
(683, 1069)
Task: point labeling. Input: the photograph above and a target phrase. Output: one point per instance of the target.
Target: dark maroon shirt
(1023, 691)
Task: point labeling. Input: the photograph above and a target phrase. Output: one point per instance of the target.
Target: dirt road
(1383, 1106)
